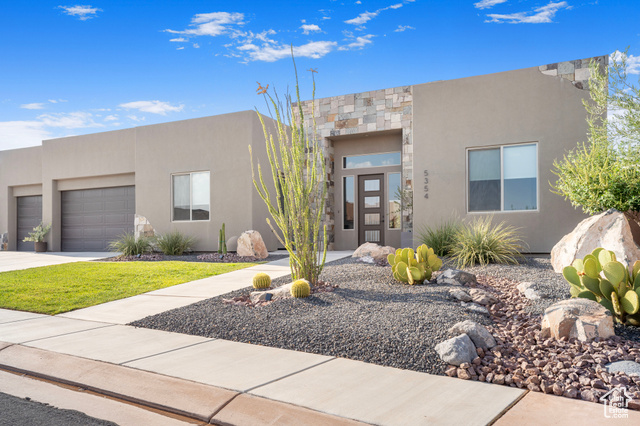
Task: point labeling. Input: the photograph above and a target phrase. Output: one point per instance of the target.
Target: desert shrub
(129, 246)
(174, 243)
(481, 242)
(439, 237)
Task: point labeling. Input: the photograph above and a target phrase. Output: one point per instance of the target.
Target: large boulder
(457, 350)
(610, 230)
(250, 243)
(581, 318)
(377, 252)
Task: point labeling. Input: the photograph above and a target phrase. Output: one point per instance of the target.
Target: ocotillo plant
(298, 172)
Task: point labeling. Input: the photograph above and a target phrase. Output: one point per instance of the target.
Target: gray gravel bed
(370, 317)
(536, 269)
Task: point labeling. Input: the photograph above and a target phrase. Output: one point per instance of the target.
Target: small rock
(571, 392)
(482, 297)
(455, 277)
(457, 350)
(460, 294)
(558, 388)
(589, 395)
(630, 368)
(475, 308)
(578, 318)
(463, 374)
(478, 333)
(451, 371)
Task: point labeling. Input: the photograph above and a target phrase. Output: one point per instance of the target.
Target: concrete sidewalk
(17, 260)
(226, 382)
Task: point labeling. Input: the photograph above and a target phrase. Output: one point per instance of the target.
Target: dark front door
(371, 209)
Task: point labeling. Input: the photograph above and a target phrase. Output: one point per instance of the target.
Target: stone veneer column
(577, 72)
(361, 113)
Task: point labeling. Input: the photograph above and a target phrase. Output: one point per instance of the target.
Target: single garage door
(29, 216)
(92, 218)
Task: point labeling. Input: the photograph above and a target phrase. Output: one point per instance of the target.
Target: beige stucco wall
(20, 175)
(368, 143)
(492, 110)
(216, 144)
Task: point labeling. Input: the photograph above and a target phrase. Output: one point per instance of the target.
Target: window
(504, 178)
(393, 196)
(191, 195)
(348, 201)
(371, 160)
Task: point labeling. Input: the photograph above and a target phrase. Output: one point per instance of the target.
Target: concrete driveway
(15, 260)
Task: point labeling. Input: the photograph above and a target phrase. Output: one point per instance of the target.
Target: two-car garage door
(92, 218)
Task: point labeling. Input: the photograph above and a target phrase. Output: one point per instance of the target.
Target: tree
(298, 172)
(604, 172)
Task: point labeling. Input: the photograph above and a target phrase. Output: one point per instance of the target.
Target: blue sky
(75, 68)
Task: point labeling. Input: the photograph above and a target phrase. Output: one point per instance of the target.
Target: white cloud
(179, 40)
(365, 17)
(35, 105)
(71, 120)
(358, 2)
(196, 46)
(268, 53)
(136, 118)
(359, 43)
(154, 107)
(211, 24)
(540, 15)
(310, 28)
(21, 134)
(112, 117)
(486, 4)
(633, 62)
(82, 12)
(180, 48)
(362, 18)
(402, 28)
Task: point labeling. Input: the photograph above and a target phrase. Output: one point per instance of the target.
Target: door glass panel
(372, 185)
(395, 205)
(371, 202)
(372, 219)
(348, 201)
(372, 236)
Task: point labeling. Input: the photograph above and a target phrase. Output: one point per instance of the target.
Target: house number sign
(426, 184)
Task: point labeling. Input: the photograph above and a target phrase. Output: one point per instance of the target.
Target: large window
(191, 196)
(504, 178)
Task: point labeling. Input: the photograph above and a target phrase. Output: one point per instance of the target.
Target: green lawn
(62, 288)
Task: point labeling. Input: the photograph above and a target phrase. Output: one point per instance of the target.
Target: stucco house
(466, 147)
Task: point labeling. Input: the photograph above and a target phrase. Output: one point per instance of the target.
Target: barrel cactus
(601, 278)
(414, 267)
(300, 288)
(261, 280)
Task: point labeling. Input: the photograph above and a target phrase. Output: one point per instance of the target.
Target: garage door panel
(29, 216)
(92, 218)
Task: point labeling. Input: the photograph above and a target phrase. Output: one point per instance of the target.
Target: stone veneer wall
(142, 227)
(360, 113)
(577, 72)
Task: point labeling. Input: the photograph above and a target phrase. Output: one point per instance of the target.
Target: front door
(371, 209)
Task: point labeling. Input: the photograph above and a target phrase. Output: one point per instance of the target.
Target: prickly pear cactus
(600, 277)
(414, 267)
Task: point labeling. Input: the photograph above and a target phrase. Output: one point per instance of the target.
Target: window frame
(190, 174)
(501, 148)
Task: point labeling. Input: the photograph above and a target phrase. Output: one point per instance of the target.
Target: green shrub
(440, 238)
(483, 243)
(174, 243)
(38, 233)
(129, 246)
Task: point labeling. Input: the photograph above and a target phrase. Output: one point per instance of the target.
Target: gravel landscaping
(372, 318)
